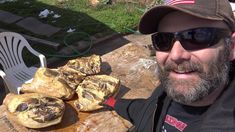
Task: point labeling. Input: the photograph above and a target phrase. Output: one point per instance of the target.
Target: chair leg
(3, 92)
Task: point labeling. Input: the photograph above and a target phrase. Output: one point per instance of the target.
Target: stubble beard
(187, 91)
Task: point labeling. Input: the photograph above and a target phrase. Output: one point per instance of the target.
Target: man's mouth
(182, 74)
(183, 71)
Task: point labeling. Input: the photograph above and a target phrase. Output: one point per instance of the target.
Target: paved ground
(100, 47)
(29, 23)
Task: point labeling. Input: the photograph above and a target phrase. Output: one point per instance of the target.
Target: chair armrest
(41, 57)
(43, 61)
(2, 74)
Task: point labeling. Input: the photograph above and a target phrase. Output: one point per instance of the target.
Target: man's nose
(178, 54)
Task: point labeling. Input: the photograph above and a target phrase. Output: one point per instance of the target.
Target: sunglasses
(191, 39)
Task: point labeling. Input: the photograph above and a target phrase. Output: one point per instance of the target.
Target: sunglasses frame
(216, 34)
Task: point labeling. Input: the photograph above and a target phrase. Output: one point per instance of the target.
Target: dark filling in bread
(42, 110)
(72, 78)
(88, 67)
(102, 85)
(22, 107)
(44, 114)
(89, 95)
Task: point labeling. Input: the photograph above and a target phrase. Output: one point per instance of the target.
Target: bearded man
(194, 42)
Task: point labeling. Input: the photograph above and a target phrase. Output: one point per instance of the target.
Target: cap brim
(150, 20)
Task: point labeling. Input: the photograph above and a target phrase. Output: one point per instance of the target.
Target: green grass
(80, 15)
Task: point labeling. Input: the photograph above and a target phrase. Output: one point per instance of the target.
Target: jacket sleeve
(129, 108)
(133, 109)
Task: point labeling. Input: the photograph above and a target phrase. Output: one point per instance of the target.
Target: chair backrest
(14, 70)
(11, 46)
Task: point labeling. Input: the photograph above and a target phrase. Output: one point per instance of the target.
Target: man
(194, 42)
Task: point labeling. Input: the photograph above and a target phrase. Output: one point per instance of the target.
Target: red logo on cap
(175, 2)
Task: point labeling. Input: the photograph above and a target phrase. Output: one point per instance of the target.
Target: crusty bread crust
(90, 65)
(94, 89)
(34, 110)
(48, 81)
(71, 76)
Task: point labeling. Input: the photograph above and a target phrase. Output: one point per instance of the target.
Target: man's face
(188, 76)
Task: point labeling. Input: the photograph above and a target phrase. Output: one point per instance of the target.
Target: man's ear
(232, 54)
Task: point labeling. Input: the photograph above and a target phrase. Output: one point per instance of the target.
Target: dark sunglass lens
(198, 38)
(162, 41)
(203, 36)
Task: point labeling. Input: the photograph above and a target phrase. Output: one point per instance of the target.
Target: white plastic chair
(15, 72)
